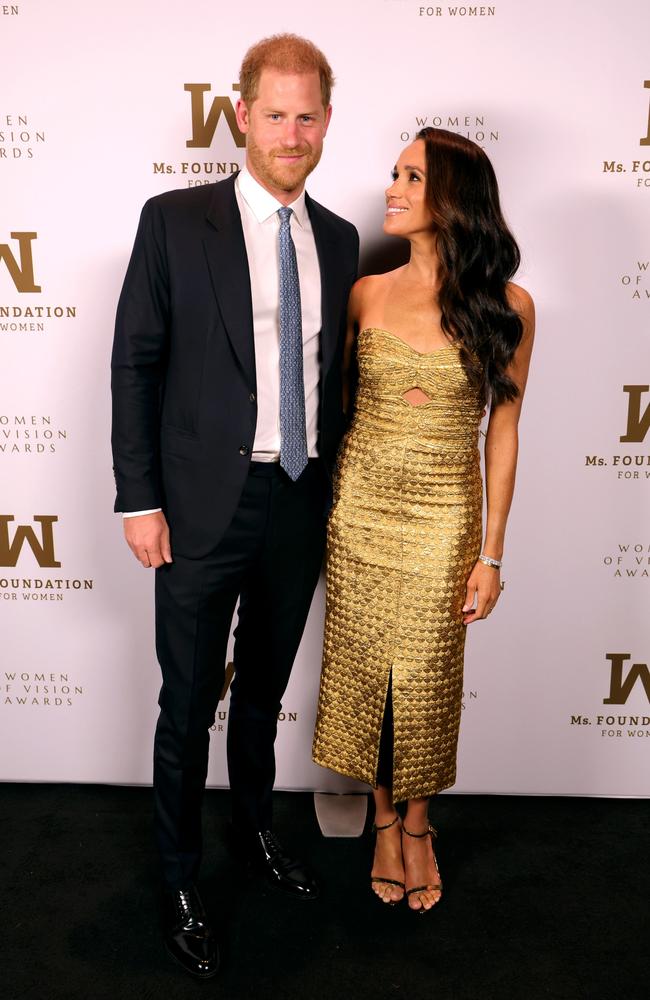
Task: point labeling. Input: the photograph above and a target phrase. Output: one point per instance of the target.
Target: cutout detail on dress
(416, 396)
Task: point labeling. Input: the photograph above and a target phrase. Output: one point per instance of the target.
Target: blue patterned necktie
(293, 432)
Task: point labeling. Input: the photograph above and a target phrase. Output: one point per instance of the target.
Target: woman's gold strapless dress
(403, 537)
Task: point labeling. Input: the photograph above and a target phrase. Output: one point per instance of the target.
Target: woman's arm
(348, 369)
(501, 448)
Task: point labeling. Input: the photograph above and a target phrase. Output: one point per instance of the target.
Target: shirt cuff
(139, 513)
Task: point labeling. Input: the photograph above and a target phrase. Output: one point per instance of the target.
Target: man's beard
(285, 177)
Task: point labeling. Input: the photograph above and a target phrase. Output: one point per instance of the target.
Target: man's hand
(147, 536)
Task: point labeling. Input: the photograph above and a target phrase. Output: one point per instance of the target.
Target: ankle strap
(387, 826)
(430, 831)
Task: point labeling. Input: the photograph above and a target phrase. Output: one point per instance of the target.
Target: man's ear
(242, 114)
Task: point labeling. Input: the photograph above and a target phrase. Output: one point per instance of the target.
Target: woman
(436, 340)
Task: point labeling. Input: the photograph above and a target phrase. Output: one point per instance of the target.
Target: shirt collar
(263, 204)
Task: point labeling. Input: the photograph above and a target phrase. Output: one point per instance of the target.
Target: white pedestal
(341, 815)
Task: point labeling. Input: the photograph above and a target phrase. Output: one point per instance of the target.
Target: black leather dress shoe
(188, 936)
(281, 871)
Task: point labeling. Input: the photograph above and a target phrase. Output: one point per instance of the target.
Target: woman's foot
(387, 875)
(423, 884)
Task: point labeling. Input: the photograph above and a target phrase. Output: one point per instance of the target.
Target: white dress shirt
(261, 224)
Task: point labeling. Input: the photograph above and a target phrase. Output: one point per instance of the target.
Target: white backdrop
(96, 116)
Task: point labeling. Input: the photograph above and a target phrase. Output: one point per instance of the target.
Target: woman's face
(407, 212)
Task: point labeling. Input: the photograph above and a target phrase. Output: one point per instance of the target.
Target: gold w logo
(637, 424)
(22, 274)
(620, 686)
(230, 671)
(203, 128)
(645, 141)
(42, 548)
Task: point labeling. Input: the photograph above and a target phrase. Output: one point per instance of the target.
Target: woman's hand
(484, 584)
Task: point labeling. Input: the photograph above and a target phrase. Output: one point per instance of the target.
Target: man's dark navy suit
(184, 417)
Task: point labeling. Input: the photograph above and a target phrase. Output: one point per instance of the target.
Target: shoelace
(187, 913)
(272, 844)
(183, 901)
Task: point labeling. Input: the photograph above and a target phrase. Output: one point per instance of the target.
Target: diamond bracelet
(488, 561)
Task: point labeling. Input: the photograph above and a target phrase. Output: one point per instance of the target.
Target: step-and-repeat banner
(102, 106)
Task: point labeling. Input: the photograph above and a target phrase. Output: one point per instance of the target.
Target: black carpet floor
(543, 898)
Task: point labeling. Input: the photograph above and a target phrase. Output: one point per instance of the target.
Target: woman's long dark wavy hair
(477, 257)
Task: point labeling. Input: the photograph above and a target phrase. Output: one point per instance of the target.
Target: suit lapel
(228, 264)
(331, 280)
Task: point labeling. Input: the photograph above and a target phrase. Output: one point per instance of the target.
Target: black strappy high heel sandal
(433, 886)
(387, 881)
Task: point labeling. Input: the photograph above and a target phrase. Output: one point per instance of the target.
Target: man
(226, 419)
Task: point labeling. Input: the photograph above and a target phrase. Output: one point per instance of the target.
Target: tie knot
(285, 214)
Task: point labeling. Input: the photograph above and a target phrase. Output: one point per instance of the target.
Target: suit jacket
(183, 365)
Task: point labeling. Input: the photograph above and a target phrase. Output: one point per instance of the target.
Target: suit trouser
(270, 558)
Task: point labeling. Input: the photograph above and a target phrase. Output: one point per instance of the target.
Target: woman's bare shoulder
(521, 301)
(369, 287)
(369, 283)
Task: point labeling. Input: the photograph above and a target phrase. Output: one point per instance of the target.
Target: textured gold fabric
(403, 536)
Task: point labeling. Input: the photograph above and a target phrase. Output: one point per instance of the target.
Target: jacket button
(252, 397)
(244, 449)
